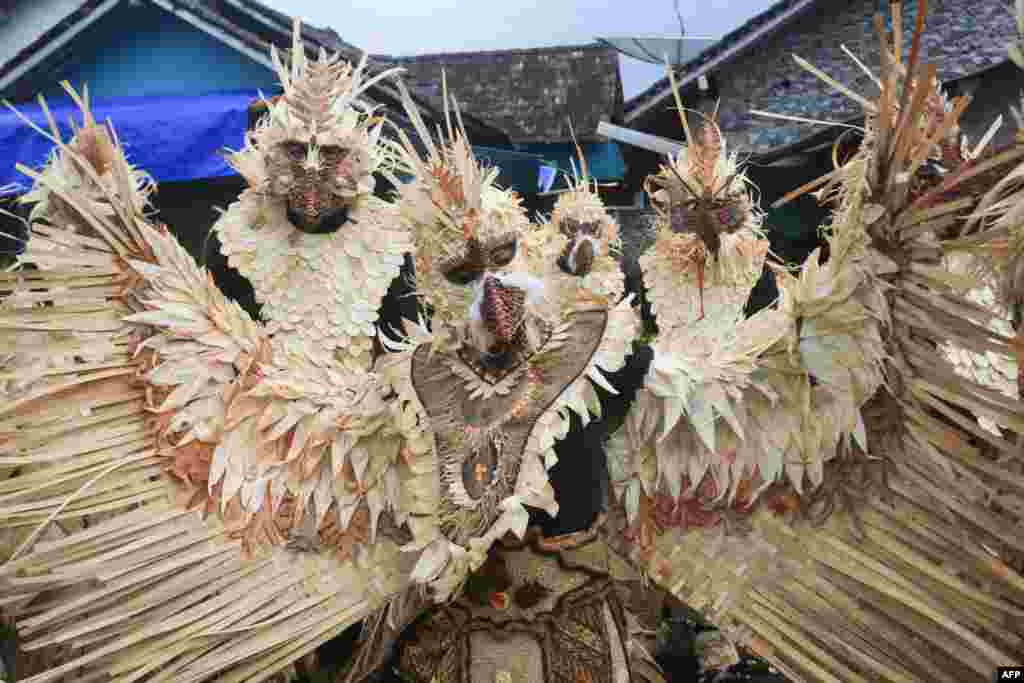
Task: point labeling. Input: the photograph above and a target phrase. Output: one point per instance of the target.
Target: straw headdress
(318, 247)
(578, 244)
(709, 250)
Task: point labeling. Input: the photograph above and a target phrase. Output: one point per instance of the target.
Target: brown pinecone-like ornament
(503, 309)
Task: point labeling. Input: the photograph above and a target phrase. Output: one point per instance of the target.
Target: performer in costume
(812, 477)
(509, 351)
(230, 498)
(318, 247)
(261, 497)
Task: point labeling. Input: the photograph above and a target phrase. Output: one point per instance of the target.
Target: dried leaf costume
(318, 247)
(814, 477)
(495, 372)
(502, 361)
(185, 497)
(519, 334)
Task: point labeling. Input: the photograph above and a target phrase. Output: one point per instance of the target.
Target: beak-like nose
(502, 309)
(578, 257)
(310, 208)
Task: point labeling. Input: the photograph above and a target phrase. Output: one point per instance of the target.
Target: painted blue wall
(144, 50)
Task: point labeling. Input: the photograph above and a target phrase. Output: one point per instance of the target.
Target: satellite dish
(655, 49)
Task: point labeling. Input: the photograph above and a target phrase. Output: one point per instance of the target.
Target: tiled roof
(531, 93)
(757, 28)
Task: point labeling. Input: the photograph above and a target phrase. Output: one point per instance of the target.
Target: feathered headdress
(708, 229)
(320, 120)
(580, 240)
(463, 224)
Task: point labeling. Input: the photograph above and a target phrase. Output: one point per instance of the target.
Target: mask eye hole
(502, 254)
(729, 215)
(461, 273)
(680, 218)
(332, 154)
(569, 227)
(296, 151)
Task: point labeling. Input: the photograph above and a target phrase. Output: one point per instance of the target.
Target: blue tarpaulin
(174, 138)
(181, 138)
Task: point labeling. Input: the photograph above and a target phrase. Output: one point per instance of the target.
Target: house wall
(961, 37)
(144, 50)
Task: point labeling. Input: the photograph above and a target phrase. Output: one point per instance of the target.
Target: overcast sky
(410, 27)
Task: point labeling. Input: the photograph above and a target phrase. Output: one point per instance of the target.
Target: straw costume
(218, 498)
(815, 477)
(835, 480)
(500, 355)
(189, 494)
(524, 319)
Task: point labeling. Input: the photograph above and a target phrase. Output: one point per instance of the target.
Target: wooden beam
(55, 44)
(635, 138)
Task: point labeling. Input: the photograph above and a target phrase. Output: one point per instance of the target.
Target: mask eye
(679, 217)
(296, 151)
(462, 273)
(332, 154)
(729, 214)
(569, 227)
(502, 254)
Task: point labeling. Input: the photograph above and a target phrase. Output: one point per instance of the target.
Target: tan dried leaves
(94, 144)
(448, 187)
(704, 156)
